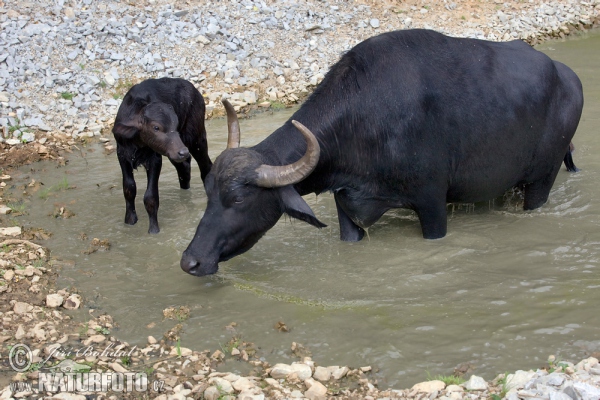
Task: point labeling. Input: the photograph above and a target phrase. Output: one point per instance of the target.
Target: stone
(316, 391)
(322, 374)
(73, 302)
(181, 351)
(476, 383)
(518, 379)
(8, 275)
(586, 391)
(115, 366)
(301, 370)
(429, 386)
(152, 340)
(94, 339)
(243, 384)
(222, 384)
(68, 396)
(212, 393)
(54, 300)
(339, 373)
(281, 371)
(13, 230)
(22, 308)
(20, 334)
(454, 388)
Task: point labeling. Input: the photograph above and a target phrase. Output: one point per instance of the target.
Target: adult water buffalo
(159, 117)
(411, 119)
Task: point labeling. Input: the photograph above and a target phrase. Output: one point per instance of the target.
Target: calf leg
(536, 193)
(349, 231)
(183, 172)
(433, 216)
(151, 202)
(129, 190)
(199, 150)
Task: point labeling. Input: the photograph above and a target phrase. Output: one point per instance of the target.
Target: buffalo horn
(276, 176)
(233, 126)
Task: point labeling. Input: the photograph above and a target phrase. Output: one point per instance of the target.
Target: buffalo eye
(156, 128)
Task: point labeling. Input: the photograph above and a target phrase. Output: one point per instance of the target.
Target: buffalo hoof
(131, 219)
(153, 229)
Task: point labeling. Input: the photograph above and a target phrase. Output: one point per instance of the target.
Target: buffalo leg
(433, 217)
(349, 231)
(183, 172)
(199, 150)
(568, 160)
(536, 193)
(151, 201)
(129, 191)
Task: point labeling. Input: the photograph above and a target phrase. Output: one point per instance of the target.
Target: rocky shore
(64, 68)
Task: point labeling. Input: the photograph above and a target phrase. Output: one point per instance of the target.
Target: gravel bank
(64, 67)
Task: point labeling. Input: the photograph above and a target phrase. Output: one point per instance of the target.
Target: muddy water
(503, 290)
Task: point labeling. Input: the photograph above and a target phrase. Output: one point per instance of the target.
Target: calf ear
(295, 206)
(125, 130)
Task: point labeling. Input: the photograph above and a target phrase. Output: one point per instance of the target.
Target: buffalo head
(156, 127)
(246, 197)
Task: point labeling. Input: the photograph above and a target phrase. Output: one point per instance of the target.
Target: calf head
(245, 199)
(156, 127)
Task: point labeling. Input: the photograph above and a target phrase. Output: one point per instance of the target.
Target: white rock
(212, 393)
(10, 231)
(8, 275)
(280, 371)
(94, 339)
(518, 379)
(54, 300)
(222, 384)
(586, 391)
(339, 373)
(22, 308)
(20, 333)
(322, 374)
(243, 384)
(115, 366)
(73, 302)
(5, 210)
(302, 370)
(183, 351)
(476, 383)
(316, 391)
(454, 388)
(68, 396)
(429, 386)
(151, 340)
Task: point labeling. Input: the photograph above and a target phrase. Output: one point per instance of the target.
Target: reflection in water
(503, 290)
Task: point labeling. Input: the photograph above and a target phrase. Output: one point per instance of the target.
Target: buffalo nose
(184, 153)
(189, 264)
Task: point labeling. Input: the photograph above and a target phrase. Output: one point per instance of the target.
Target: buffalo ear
(295, 206)
(125, 130)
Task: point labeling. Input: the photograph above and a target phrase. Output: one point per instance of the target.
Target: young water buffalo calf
(159, 117)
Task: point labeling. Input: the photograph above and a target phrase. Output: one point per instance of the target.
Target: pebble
(429, 386)
(73, 302)
(54, 300)
(10, 231)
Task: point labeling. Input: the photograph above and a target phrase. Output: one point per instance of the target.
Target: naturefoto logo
(70, 376)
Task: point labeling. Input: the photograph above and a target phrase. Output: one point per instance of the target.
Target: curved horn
(276, 176)
(233, 126)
